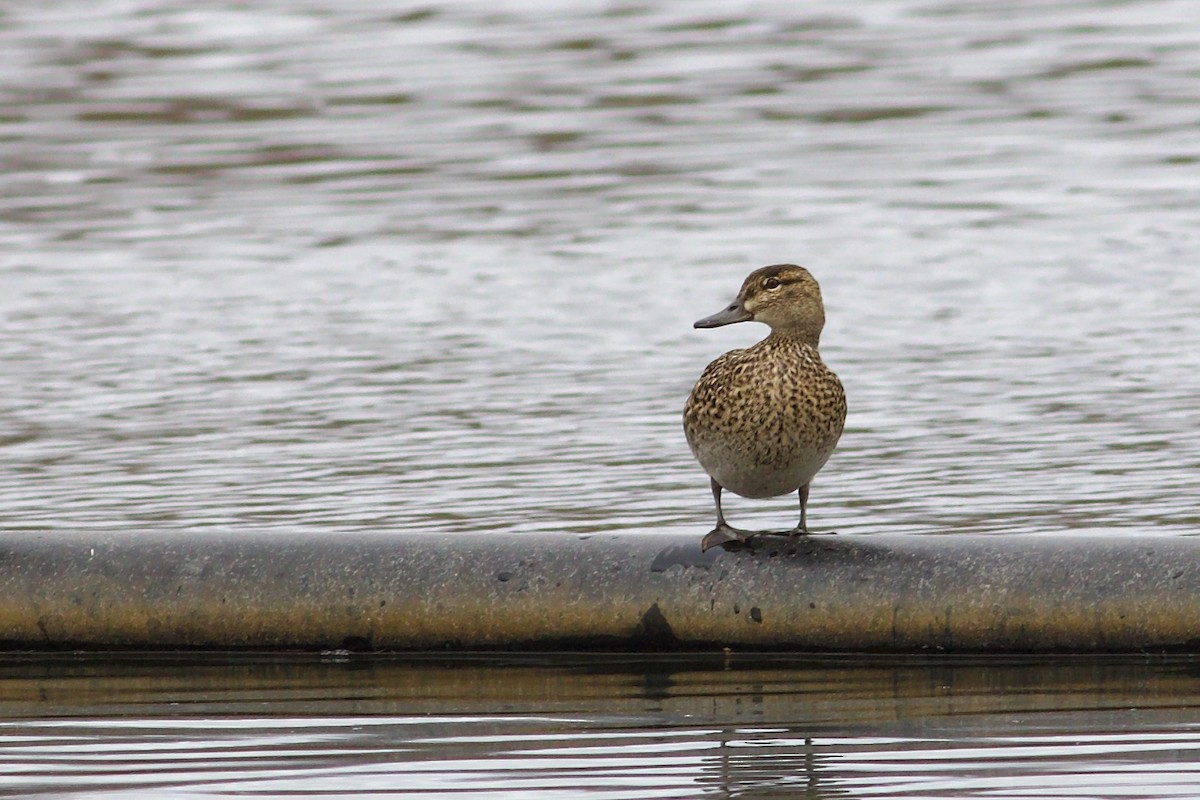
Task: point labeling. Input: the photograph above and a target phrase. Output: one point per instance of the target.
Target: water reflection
(616, 727)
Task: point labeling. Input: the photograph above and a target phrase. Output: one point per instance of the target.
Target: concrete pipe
(410, 591)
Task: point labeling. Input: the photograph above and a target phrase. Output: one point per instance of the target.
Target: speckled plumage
(762, 421)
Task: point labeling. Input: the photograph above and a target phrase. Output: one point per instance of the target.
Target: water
(360, 266)
(348, 266)
(603, 727)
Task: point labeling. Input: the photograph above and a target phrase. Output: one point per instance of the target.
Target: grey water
(361, 265)
(372, 266)
(620, 728)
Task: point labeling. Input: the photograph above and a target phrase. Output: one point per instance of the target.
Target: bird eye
(772, 283)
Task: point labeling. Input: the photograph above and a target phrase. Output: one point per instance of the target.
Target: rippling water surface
(678, 727)
(362, 265)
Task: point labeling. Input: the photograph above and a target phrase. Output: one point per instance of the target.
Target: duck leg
(716, 490)
(724, 532)
(801, 528)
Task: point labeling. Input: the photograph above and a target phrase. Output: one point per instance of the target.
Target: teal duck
(763, 421)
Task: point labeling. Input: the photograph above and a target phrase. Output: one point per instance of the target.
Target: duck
(762, 421)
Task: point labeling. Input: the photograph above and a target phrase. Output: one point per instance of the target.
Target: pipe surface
(872, 593)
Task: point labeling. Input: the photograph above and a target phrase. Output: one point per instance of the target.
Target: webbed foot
(798, 531)
(724, 534)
